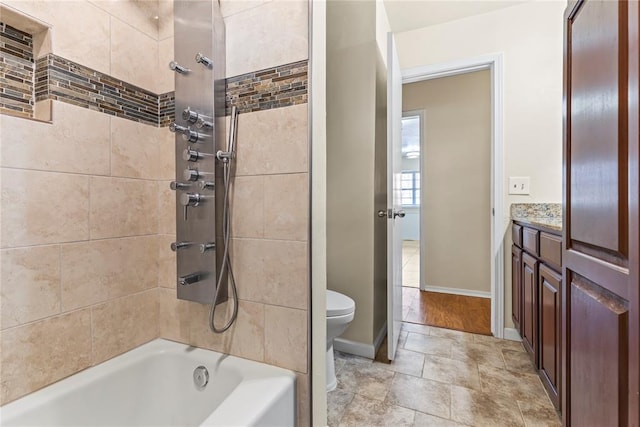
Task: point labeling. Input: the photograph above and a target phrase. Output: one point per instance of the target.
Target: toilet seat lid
(338, 304)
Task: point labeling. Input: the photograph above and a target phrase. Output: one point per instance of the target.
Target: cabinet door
(549, 315)
(516, 286)
(529, 306)
(601, 172)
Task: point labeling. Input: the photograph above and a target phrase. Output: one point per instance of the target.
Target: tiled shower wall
(88, 215)
(80, 207)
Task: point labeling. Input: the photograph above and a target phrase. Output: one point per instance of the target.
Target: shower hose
(227, 163)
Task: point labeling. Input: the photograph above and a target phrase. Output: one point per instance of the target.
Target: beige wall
(531, 39)
(88, 215)
(456, 166)
(356, 165)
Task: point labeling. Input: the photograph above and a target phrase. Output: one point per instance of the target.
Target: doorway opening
(452, 165)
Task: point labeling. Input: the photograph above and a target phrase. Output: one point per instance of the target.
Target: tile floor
(441, 377)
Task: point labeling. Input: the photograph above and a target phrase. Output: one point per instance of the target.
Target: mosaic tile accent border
(16, 72)
(275, 87)
(63, 80)
(57, 78)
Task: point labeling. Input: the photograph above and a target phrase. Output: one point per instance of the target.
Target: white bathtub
(153, 385)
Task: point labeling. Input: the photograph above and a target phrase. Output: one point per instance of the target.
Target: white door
(394, 212)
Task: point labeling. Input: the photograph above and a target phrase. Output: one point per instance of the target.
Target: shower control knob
(189, 115)
(202, 123)
(205, 185)
(190, 155)
(190, 135)
(179, 245)
(175, 185)
(201, 59)
(174, 66)
(190, 279)
(190, 199)
(191, 174)
(173, 127)
(204, 247)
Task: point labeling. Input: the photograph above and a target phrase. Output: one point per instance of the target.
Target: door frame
(494, 63)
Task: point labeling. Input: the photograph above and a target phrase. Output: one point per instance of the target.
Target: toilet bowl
(340, 312)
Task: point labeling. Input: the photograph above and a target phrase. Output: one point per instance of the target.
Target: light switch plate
(519, 185)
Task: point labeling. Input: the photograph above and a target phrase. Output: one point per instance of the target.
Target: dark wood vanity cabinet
(529, 306)
(536, 284)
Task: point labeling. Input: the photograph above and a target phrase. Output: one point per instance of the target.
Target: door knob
(399, 213)
(382, 213)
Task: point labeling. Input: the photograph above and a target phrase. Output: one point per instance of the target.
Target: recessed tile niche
(22, 41)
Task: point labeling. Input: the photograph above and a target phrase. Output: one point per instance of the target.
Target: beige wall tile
(30, 285)
(243, 339)
(165, 19)
(231, 7)
(77, 141)
(166, 209)
(273, 34)
(166, 262)
(38, 354)
(174, 316)
(273, 141)
(43, 207)
(285, 337)
(135, 149)
(123, 324)
(136, 66)
(247, 204)
(139, 14)
(165, 76)
(123, 207)
(286, 207)
(272, 271)
(167, 155)
(90, 24)
(97, 271)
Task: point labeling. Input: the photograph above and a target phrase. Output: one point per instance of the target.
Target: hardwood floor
(462, 313)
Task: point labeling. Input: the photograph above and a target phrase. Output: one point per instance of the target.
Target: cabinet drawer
(516, 232)
(530, 241)
(551, 249)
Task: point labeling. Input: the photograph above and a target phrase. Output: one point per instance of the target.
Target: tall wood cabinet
(600, 289)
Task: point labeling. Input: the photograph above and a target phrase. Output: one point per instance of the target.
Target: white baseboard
(456, 291)
(379, 338)
(360, 349)
(512, 334)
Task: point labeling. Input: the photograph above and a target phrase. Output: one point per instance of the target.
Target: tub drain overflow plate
(200, 377)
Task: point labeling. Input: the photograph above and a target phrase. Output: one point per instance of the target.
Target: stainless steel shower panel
(199, 96)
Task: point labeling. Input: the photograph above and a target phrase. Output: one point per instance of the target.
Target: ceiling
(406, 15)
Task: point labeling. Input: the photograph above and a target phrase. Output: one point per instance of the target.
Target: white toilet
(340, 312)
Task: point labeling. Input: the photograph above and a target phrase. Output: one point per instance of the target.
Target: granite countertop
(545, 215)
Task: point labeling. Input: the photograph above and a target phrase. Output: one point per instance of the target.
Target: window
(410, 188)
